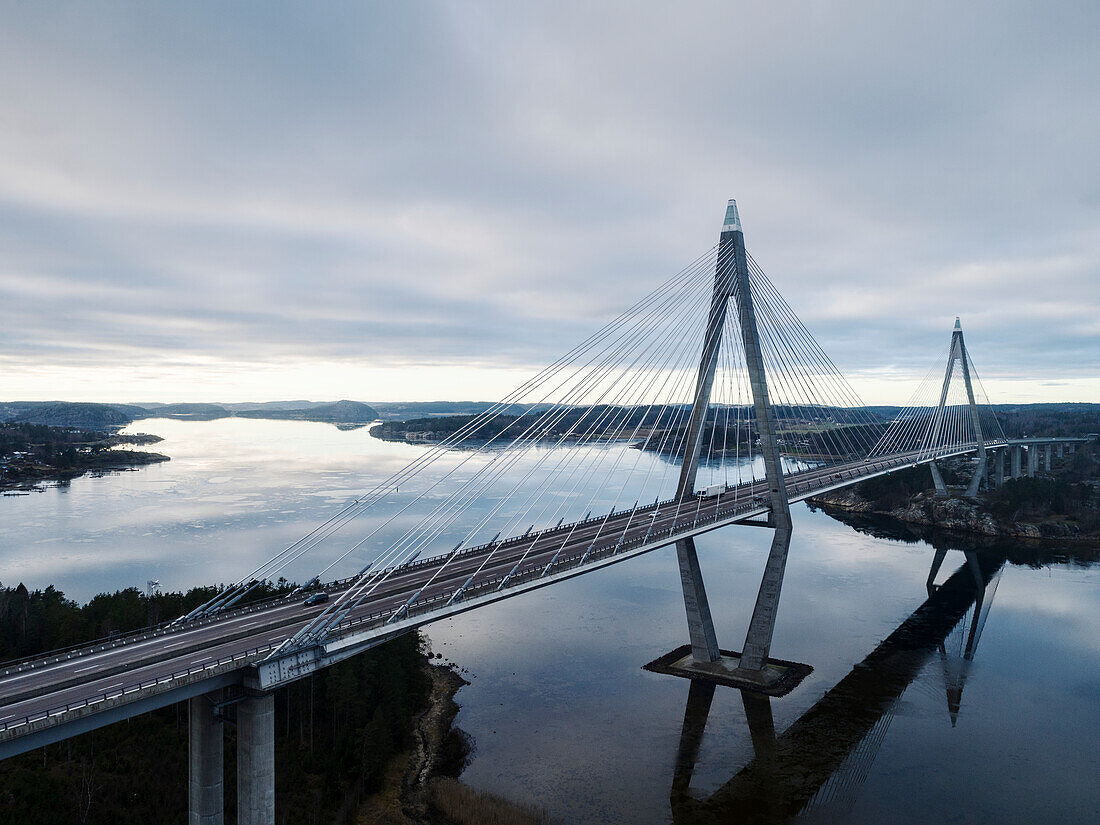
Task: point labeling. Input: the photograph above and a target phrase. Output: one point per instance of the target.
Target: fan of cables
(601, 430)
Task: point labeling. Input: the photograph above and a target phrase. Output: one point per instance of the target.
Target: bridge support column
(205, 758)
(1072, 448)
(1061, 449)
(1017, 456)
(1032, 460)
(256, 761)
(937, 479)
(758, 641)
(704, 642)
(999, 470)
(1046, 458)
(979, 475)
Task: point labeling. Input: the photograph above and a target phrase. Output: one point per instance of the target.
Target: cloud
(484, 183)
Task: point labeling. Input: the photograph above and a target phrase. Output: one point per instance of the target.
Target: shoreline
(41, 477)
(423, 785)
(952, 514)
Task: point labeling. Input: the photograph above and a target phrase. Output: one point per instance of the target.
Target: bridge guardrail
(132, 688)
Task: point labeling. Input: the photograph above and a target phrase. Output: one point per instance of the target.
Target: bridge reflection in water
(818, 764)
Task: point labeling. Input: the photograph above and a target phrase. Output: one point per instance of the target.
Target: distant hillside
(248, 406)
(1019, 420)
(191, 412)
(83, 415)
(394, 410)
(341, 412)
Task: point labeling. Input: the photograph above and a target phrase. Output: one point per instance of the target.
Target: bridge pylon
(751, 668)
(941, 421)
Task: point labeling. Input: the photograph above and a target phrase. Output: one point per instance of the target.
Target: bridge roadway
(55, 697)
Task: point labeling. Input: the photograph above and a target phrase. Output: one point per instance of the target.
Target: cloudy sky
(403, 200)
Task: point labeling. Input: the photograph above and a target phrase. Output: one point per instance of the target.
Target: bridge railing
(134, 687)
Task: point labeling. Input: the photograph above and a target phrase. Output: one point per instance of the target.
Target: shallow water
(562, 713)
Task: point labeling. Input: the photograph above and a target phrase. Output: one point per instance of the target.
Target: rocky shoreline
(422, 785)
(27, 478)
(955, 514)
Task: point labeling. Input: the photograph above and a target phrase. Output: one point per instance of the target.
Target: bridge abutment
(256, 761)
(206, 755)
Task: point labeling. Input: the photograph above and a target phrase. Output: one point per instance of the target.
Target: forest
(336, 731)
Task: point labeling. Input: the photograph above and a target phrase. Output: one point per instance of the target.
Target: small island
(34, 454)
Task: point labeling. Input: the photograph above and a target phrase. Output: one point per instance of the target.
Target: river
(998, 725)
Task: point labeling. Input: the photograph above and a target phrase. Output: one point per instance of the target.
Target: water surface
(562, 713)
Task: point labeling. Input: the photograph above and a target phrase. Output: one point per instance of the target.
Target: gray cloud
(460, 182)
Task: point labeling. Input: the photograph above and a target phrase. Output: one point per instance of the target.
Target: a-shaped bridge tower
(731, 281)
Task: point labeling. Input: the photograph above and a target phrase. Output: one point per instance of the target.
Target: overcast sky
(383, 201)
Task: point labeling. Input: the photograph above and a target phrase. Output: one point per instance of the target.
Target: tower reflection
(819, 762)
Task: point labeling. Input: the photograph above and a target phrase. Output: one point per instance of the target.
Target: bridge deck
(154, 669)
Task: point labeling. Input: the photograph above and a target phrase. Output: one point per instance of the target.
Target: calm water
(562, 714)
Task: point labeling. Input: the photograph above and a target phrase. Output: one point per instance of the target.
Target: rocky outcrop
(954, 514)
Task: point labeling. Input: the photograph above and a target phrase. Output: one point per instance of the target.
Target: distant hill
(341, 412)
(249, 406)
(394, 410)
(191, 412)
(84, 415)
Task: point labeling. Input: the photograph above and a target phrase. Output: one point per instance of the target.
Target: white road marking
(82, 669)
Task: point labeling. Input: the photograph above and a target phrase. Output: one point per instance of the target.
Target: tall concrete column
(937, 479)
(1046, 457)
(256, 761)
(1017, 451)
(1072, 448)
(1060, 449)
(1032, 460)
(758, 640)
(704, 642)
(999, 471)
(205, 758)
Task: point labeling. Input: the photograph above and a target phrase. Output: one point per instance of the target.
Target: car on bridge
(316, 598)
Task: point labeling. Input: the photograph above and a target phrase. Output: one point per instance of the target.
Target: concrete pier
(1032, 460)
(937, 479)
(1017, 455)
(704, 642)
(206, 749)
(999, 470)
(1061, 449)
(256, 761)
(1046, 458)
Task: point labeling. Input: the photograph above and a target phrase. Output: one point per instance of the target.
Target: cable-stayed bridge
(707, 403)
